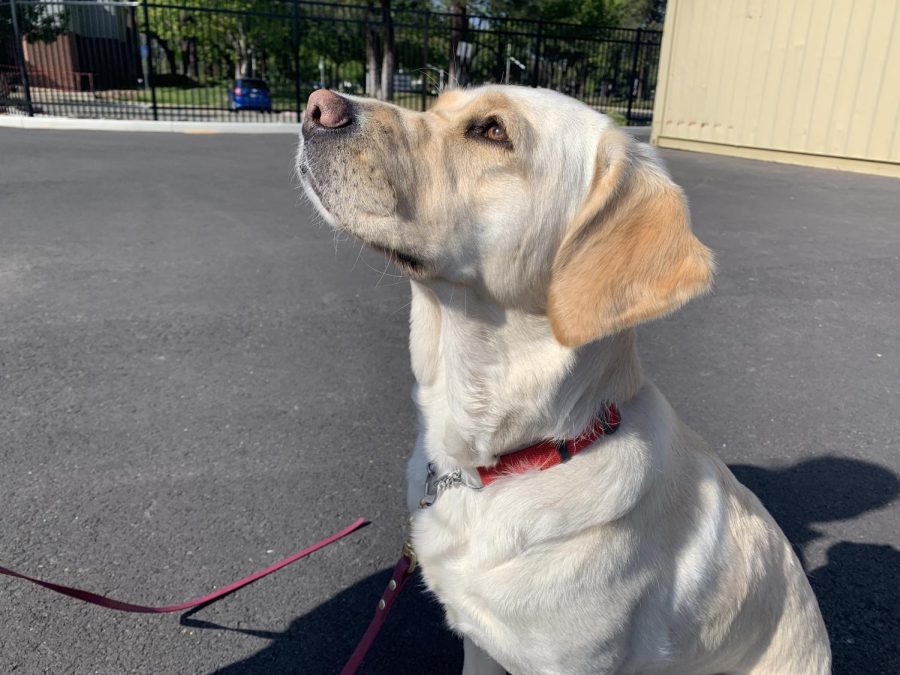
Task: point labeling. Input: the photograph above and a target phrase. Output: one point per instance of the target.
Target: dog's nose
(328, 110)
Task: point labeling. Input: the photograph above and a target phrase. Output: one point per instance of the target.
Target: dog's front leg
(477, 662)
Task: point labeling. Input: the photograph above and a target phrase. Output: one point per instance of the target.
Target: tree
(593, 12)
(641, 13)
(380, 52)
(387, 54)
(459, 24)
(241, 34)
(620, 13)
(563, 57)
(373, 86)
(37, 22)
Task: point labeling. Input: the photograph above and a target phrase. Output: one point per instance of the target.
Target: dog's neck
(490, 379)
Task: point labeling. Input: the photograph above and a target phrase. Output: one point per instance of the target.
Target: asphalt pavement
(197, 378)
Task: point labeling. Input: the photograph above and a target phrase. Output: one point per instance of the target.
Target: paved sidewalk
(177, 125)
(196, 379)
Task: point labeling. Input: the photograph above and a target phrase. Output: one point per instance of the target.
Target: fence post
(295, 45)
(150, 76)
(20, 57)
(535, 76)
(634, 66)
(137, 56)
(425, 60)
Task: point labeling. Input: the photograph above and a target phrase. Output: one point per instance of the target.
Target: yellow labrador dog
(536, 235)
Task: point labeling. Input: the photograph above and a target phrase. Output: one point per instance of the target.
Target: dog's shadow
(858, 588)
(414, 638)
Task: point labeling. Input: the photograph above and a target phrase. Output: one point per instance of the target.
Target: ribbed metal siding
(819, 77)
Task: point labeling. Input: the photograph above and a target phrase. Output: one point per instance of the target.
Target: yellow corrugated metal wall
(805, 81)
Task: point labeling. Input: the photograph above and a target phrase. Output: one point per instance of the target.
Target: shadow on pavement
(858, 588)
(414, 639)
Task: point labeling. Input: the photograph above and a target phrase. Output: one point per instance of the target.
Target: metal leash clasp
(435, 484)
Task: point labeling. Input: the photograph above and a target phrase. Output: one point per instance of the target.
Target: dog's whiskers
(400, 309)
(358, 256)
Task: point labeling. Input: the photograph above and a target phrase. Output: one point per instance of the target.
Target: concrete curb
(49, 122)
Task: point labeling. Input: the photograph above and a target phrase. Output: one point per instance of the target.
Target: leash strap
(110, 603)
(402, 572)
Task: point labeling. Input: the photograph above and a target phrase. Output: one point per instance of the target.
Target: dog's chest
(500, 586)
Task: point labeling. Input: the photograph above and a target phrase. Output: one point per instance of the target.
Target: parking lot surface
(197, 378)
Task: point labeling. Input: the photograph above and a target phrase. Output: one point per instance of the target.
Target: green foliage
(621, 13)
(641, 13)
(248, 36)
(204, 44)
(37, 22)
(596, 12)
(255, 38)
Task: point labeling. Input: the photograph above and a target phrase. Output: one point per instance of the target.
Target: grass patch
(617, 117)
(211, 96)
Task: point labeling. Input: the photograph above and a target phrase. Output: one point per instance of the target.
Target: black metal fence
(181, 59)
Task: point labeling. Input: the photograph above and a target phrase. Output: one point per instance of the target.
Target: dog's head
(528, 196)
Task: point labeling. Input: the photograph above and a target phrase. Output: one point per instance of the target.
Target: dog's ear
(630, 254)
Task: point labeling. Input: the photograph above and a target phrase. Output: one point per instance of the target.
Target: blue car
(250, 94)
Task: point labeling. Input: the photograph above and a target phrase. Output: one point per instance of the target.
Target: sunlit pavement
(196, 379)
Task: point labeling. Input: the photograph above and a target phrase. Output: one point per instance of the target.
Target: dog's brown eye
(496, 133)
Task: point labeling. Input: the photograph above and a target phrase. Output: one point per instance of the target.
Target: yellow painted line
(208, 132)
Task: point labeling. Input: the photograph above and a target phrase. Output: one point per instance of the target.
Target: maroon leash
(540, 456)
(110, 603)
(402, 572)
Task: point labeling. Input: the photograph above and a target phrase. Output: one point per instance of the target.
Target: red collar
(547, 454)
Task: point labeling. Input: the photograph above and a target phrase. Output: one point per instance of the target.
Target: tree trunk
(182, 21)
(193, 70)
(459, 23)
(170, 57)
(242, 65)
(185, 56)
(373, 87)
(168, 51)
(387, 58)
